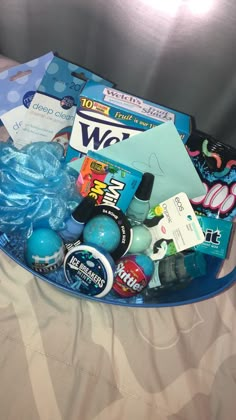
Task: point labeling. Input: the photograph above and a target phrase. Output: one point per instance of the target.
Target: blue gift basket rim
(226, 282)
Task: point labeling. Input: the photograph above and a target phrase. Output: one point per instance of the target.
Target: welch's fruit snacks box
(106, 116)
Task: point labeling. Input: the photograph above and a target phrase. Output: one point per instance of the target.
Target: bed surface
(63, 358)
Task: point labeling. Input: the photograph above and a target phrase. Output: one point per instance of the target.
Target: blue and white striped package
(52, 111)
(17, 88)
(108, 116)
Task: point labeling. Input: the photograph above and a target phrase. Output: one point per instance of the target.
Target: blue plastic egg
(44, 251)
(102, 231)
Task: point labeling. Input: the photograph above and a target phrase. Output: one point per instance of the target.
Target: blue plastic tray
(199, 289)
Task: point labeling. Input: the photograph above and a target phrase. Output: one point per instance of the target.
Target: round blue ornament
(102, 231)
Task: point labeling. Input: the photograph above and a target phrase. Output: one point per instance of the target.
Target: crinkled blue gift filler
(37, 188)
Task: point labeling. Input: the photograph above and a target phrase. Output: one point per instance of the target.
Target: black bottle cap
(144, 190)
(84, 210)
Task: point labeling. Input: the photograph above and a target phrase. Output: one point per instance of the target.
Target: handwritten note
(160, 151)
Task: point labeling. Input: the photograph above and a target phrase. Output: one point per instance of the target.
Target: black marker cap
(144, 190)
(84, 210)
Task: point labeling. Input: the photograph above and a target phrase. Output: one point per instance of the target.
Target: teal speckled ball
(102, 231)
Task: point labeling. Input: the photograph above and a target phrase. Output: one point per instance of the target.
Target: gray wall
(184, 60)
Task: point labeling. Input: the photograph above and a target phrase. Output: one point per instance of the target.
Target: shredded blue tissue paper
(37, 188)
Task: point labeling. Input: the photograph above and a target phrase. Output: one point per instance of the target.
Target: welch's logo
(93, 133)
(114, 95)
(138, 105)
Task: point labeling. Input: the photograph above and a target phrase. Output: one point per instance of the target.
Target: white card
(174, 227)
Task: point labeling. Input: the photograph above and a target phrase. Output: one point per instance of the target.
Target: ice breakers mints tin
(89, 270)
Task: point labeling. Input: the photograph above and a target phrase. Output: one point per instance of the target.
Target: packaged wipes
(51, 113)
(17, 88)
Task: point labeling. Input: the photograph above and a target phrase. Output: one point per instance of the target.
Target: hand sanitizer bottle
(175, 272)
